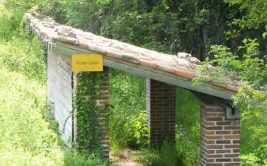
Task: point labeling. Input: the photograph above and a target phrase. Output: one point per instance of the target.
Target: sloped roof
(181, 65)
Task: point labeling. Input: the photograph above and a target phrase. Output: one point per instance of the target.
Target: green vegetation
(127, 111)
(89, 133)
(231, 33)
(165, 155)
(187, 127)
(251, 98)
(28, 136)
(25, 136)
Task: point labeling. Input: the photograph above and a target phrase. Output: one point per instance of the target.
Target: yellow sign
(87, 62)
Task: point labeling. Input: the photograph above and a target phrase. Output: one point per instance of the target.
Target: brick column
(100, 100)
(161, 109)
(220, 137)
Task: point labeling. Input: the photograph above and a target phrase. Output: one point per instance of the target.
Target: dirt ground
(125, 158)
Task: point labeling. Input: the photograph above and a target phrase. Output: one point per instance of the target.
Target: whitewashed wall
(59, 92)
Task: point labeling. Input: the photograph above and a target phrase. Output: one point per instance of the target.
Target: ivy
(89, 134)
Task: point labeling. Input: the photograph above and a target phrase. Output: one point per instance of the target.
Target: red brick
(236, 132)
(216, 119)
(161, 111)
(214, 146)
(236, 160)
(209, 132)
(214, 128)
(232, 137)
(232, 128)
(209, 141)
(223, 132)
(209, 151)
(236, 150)
(209, 123)
(236, 141)
(214, 164)
(223, 141)
(224, 160)
(232, 155)
(222, 151)
(214, 137)
(231, 146)
(210, 109)
(223, 123)
(232, 164)
(221, 135)
(215, 156)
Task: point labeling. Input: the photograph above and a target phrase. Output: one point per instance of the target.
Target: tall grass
(187, 127)
(27, 136)
(127, 112)
(10, 22)
(166, 155)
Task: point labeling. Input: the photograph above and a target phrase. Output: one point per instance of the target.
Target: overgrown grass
(166, 155)
(127, 112)
(186, 151)
(187, 127)
(27, 134)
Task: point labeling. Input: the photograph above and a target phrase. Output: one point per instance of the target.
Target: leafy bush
(127, 116)
(137, 133)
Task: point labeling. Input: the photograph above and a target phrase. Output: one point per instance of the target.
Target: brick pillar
(161, 109)
(102, 102)
(220, 137)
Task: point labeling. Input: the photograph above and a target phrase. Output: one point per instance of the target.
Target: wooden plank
(68, 50)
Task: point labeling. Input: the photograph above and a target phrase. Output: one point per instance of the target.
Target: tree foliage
(230, 34)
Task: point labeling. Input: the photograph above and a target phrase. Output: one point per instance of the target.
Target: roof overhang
(69, 50)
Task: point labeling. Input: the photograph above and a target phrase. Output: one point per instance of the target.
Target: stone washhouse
(220, 120)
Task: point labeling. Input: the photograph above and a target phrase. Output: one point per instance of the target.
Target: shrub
(127, 116)
(137, 132)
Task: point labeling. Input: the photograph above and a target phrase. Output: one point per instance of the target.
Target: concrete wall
(59, 92)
